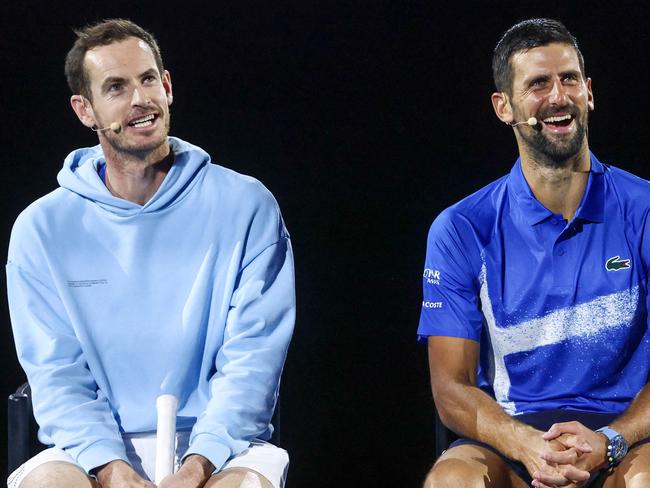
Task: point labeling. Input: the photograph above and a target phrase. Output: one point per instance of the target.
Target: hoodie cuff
(211, 447)
(100, 453)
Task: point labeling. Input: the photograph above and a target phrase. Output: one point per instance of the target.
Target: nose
(139, 97)
(558, 94)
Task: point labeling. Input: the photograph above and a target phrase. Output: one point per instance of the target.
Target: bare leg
(58, 474)
(634, 470)
(238, 478)
(470, 466)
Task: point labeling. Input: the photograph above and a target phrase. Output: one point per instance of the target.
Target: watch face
(619, 448)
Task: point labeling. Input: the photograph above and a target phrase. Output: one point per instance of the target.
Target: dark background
(365, 119)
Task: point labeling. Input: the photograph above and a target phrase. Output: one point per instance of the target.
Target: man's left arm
(244, 388)
(633, 424)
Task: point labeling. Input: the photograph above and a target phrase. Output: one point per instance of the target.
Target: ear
(590, 95)
(83, 109)
(502, 107)
(167, 85)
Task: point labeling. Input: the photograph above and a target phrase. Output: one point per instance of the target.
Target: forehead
(130, 56)
(544, 60)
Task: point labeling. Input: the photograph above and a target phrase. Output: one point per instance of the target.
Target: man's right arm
(68, 406)
(470, 412)
(72, 412)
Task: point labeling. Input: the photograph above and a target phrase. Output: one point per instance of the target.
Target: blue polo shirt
(560, 309)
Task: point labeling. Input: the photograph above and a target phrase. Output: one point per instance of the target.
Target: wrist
(198, 466)
(600, 451)
(523, 438)
(616, 446)
(104, 472)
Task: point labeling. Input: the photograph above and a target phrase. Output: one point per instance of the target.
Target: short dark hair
(102, 34)
(524, 36)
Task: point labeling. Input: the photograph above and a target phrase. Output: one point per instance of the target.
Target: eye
(150, 79)
(538, 83)
(114, 88)
(570, 78)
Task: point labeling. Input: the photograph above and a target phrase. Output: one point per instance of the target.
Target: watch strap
(616, 446)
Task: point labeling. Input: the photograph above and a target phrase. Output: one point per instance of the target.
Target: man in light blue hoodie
(149, 271)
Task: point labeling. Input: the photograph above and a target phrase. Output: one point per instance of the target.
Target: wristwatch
(616, 446)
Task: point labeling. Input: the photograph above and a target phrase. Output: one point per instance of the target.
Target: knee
(56, 474)
(454, 473)
(639, 480)
(253, 480)
(238, 478)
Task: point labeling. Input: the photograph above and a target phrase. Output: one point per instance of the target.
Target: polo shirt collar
(533, 212)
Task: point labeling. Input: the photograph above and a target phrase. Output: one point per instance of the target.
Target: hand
(582, 452)
(573, 435)
(119, 474)
(547, 475)
(194, 473)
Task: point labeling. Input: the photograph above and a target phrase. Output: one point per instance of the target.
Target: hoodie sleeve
(71, 411)
(249, 364)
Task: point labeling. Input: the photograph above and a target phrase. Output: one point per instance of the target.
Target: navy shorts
(543, 421)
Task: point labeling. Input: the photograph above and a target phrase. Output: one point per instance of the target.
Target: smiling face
(127, 88)
(548, 85)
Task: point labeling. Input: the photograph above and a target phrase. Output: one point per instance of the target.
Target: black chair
(22, 440)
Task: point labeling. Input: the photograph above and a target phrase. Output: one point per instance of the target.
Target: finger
(552, 478)
(570, 456)
(539, 484)
(576, 441)
(574, 474)
(562, 428)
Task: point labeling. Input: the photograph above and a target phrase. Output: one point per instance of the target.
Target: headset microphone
(115, 127)
(532, 122)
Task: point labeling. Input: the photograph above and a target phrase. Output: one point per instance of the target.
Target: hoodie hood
(80, 174)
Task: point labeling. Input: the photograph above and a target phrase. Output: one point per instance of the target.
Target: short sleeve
(450, 305)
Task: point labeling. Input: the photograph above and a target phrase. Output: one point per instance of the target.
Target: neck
(136, 177)
(560, 187)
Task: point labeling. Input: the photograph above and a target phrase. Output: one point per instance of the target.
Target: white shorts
(268, 460)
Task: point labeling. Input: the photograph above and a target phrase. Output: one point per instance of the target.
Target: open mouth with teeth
(145, 121)
(559, 120)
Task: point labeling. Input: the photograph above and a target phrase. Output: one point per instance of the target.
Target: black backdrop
(365, 119)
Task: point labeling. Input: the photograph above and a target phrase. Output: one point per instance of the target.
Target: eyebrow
(149, 72)
(575, 72)
(110, 80)
(533, 79)
(547, 76)
(118, 79)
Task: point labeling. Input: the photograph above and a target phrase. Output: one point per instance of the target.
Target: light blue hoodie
(113, 303)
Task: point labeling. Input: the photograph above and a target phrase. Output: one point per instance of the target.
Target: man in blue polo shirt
(535, 302)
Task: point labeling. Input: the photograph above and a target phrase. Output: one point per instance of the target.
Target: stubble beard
(555, 152)
(139, 150)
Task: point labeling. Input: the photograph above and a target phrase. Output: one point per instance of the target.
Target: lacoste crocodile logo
(616, 264)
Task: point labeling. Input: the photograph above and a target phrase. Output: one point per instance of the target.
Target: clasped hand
(119, 474)
(573, 453)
